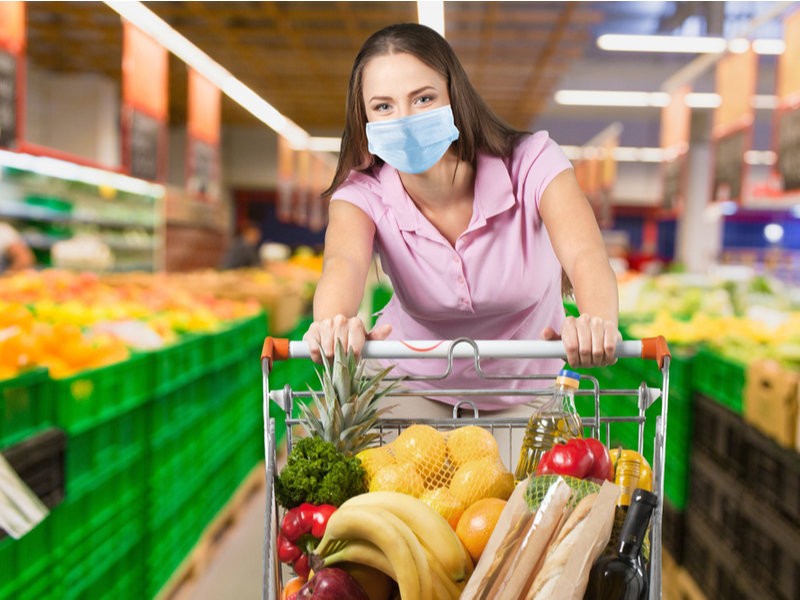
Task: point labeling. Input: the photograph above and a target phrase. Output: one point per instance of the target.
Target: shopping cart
(464, 348)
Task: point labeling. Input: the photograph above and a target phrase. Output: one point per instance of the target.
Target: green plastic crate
(180, 363)
(720, 379)
(91, 397)
(25, 406)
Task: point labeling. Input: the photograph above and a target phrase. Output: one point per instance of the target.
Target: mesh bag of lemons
(450, 470)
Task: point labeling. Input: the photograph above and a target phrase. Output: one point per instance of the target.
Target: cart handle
(649, 349)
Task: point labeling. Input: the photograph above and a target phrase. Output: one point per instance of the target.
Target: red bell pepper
(301, 530)
(577, 458)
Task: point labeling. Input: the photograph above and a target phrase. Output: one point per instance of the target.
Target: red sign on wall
(203, 137)
(12, 73)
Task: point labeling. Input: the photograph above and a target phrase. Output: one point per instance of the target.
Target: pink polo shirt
(502, 281)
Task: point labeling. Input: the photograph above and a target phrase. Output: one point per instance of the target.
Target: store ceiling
(298, 55)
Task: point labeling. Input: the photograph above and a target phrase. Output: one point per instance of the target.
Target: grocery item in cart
(555, 422)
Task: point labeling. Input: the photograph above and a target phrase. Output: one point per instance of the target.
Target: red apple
(332, 584)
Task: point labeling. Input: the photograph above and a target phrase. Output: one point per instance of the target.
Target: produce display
(436, 515)
(59, 319)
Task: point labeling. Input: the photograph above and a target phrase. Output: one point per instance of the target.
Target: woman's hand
(589, 341)
(351, 332)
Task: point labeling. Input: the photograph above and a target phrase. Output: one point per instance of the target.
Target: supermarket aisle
(235, 571)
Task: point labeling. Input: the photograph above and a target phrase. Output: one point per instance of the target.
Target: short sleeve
(361, 192)
(541, 160)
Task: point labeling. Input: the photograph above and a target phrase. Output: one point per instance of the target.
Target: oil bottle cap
(568, 378)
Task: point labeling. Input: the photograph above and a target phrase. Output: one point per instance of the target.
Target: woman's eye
(382, 107)
(425, 99)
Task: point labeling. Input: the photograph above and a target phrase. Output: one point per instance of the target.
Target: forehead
(398, 74)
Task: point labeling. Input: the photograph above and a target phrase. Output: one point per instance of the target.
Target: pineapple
(348, 411)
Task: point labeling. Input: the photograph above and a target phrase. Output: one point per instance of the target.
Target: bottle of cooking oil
(555, 422)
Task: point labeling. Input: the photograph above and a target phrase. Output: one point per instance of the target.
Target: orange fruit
(403, 479)
(476, 525)
(480, 479)
(470, 443)
(292, 587)
(443, 502)
(423, 446)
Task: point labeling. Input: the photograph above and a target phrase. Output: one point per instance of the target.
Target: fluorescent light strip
(325, 144)
(61, 169)
(686, 44)
(647, 99)
(432, 15)
(620, 154)
(755, 157)
(151, 24)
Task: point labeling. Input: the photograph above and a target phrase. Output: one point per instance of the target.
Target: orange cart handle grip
(655, 349)
(275, 349)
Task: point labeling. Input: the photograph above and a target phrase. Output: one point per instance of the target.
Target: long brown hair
(478, 125)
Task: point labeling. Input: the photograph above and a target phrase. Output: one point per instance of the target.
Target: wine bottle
(622, 577)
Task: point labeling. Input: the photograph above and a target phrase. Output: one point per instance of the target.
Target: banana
(440, 591)
(392, 537)
(453, 590)
(428, 525)
(363, 553)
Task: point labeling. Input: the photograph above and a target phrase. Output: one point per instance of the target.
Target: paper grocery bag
(593, 539)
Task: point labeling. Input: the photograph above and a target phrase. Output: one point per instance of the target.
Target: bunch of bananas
(402, 537)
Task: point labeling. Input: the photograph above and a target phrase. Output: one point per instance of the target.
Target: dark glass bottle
(622, 577)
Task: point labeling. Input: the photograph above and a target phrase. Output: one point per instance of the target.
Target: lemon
(373, 460)
(445, 503)
(403, 479)
(422, 446)
(470, 443)
(480, 479)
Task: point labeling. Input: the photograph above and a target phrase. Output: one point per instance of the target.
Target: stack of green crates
(156, 447)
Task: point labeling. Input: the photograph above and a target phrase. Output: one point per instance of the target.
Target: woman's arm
(348, 255)
(591, 339)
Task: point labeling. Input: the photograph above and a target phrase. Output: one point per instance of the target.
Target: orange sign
(204, 109)
(676, 120)
(788, 73)
(12, 26)
(735, 82)
(145, 72)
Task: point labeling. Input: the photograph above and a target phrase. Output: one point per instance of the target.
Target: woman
(473, 221)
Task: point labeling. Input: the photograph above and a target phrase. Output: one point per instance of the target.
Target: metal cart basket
(464, 348)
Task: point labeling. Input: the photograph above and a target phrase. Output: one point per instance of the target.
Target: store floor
(235, 568)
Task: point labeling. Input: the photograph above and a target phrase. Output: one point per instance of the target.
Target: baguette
(560, 550)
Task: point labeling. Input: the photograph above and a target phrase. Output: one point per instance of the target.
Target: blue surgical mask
(413, 144)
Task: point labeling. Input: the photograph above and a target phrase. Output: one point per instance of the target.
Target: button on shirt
(501, 281)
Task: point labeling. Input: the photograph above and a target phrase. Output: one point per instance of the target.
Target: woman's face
(401, 85)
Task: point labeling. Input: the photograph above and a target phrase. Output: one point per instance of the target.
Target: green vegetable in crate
(317, 473)
(348, 412)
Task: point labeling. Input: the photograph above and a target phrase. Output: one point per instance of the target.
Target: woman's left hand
(589, 341)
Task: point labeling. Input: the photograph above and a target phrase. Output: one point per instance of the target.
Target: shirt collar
(494, 193)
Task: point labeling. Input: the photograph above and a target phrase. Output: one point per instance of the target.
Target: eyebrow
(414, 93)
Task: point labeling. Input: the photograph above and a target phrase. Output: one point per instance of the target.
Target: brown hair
(478, 125)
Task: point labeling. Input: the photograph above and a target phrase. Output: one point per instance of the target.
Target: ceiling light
(695, 100)
(661, 43)
(756, 157)
(151, 24)
(604, 98)
(769, 46)
(325, 144)
(60, 169)
(432, 15)
(764, 102)
(773, 232)
(686, 44)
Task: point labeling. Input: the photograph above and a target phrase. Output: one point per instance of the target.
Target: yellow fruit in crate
(445, 503)
(470, 443)
(477, 524)
(403, 479)
(480, 479)
(422, 446)
(373, 460)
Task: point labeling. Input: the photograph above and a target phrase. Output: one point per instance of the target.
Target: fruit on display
(332, 584)
(400, 478)
(470, 443)
(373, 460)
(347, 413)
(290, 590)
(422, 446)
(480, 479)
(375, 583)
(477, 524)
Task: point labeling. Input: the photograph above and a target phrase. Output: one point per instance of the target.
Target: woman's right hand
(350, 331)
